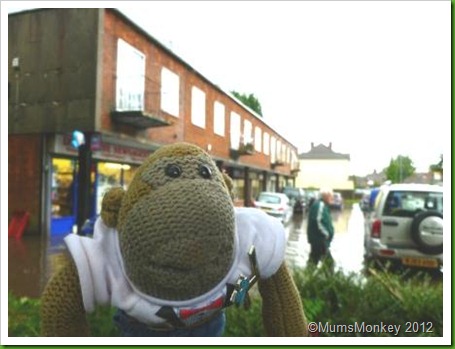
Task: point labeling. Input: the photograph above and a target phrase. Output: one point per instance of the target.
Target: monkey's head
(175, 222)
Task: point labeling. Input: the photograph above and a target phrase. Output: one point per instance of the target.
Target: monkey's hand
(62, 308)
(282, 309)
(110, 206)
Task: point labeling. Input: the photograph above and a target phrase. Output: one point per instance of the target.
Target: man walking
(320, 229)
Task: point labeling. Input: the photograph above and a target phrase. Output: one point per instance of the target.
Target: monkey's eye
(173, 170)
(205, 172)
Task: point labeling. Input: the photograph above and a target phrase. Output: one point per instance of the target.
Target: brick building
(96, 71)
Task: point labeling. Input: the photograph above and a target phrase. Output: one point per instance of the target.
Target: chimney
(330, 145)
(312, 145)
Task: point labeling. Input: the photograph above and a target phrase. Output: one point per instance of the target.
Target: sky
(371, 77)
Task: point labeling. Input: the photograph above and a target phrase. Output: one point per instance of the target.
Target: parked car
(296, 197)
(310, 197)
(405, 227)
(337, 202)
(275, 204)
(365, 202)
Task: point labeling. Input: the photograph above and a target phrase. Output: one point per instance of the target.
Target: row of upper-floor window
(130, 90)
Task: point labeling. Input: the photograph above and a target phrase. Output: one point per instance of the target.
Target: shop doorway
(63, 195)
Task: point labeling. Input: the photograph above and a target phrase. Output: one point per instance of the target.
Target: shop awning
(139, 119)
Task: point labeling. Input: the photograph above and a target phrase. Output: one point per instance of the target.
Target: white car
(275, 204)
(406, 226)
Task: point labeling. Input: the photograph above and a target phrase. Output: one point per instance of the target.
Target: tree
(399, 169)
(249, 100)
(437, 167)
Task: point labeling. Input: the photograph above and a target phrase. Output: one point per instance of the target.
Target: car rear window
(269, 199)
(408, 203)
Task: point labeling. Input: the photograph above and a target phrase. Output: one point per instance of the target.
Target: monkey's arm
(282, 309)
(62, 308)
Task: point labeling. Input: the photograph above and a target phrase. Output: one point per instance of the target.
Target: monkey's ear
(110, 206)
(229, 184)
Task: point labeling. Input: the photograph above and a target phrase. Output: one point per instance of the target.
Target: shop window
(170, 87)
(218, 118)
(63, 192)
(235, 130)
(198, 107)
(130, 77)
(112, 175)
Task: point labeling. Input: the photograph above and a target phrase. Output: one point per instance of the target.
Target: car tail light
(387, 252)
(376, 229)
(281, 209)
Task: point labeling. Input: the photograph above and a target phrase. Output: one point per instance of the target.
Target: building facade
(96, 71)
(321, 167)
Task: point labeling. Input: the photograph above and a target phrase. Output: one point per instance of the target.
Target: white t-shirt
(104, 282)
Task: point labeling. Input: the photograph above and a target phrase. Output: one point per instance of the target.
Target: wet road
(33, 259)
(347, 244)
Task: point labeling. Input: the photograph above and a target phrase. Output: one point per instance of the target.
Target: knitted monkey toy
(170, 253)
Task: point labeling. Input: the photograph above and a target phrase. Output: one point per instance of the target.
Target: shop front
(113, 165)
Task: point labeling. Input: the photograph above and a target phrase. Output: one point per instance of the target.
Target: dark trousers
(320, 252)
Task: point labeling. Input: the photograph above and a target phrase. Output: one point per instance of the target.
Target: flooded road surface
(33, 259)
(346, 247)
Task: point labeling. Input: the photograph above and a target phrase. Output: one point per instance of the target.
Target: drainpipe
(84, 182)
(247, 188)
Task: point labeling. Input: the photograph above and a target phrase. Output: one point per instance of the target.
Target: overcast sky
(371, 77)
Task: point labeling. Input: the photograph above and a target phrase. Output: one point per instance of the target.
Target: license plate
(420, 262)
(265, 209)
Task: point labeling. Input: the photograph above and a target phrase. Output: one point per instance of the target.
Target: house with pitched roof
(322, 167)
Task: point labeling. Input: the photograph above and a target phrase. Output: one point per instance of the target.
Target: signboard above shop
(105, 148)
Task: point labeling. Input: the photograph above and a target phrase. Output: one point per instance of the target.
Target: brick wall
(181, 128)
(24, 177)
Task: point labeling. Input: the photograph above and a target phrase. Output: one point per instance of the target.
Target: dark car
(296, 197)
(337, 202)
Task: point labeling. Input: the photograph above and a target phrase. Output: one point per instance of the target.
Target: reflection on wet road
(347, 244)
(33, 259)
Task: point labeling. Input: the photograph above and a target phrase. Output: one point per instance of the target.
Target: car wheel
(426, 231)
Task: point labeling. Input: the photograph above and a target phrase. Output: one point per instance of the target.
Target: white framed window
(266, 143)
(278, 150)
(130, 84)
(273, 149)
(198, 107)
(257, 139)
(218, 118)
(170, 92)
(235, 130)
(247, 132)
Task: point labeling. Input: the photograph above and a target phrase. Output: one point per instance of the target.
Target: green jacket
(320, 228)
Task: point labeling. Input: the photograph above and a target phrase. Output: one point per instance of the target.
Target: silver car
(275, 204)
(406, 226)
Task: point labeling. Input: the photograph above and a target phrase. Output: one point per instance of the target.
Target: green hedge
(329, 298)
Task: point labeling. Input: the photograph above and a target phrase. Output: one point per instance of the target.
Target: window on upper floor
(197, 107)
(278, 150)
(170, 88)
(257, 139)
(235, 130)
(130, 84)
(247, 132)
(266, 143)
(218, 118)
(273, 150)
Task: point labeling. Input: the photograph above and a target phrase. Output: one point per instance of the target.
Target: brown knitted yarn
(62, 309)
(177, 233)
(282, 309)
